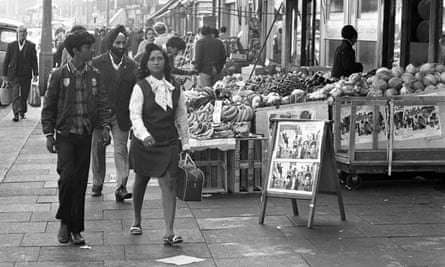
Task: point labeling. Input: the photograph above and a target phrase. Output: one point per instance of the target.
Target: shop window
(368, 7)
(335, 9)
(366, 54)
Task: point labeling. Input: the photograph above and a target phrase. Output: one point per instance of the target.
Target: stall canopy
(164, 9)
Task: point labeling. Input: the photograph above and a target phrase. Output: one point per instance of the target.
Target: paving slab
(259, 261)
(321, 231)
(240, 222)
(158, 251)
(15, 216)
(146, 213)
(354, 245)
(58, 264)
(159, 224)
(267, 248)
(91, 226)
(363, 260)
(244, 234)
(10, 240)
(402, 230)
(17, 254)
(154, 263)
(22, 227)
(421, 243)
(70, 253)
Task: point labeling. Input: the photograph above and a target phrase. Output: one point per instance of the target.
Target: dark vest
(160, 123)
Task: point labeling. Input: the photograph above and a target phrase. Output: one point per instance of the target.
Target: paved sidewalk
(388, 223)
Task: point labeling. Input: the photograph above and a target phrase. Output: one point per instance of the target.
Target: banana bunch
(223, 130)
(229, 113)
(199, 122)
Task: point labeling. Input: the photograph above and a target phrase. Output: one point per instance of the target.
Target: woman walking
(159, 118)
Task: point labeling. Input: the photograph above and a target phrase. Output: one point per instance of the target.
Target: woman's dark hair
(76, 40)
(77, 28)
(348, 32)
(206, 30)
(176, 42)
(143, 71)
(223, 29)
(215, 32)
(147, 30)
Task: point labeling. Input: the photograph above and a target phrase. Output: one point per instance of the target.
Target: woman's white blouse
(136, 106)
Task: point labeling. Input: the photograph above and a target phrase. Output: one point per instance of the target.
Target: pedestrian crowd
(114, 85)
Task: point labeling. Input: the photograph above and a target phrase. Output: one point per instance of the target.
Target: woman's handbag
(189, 180)
(34, 96)
(5, 96)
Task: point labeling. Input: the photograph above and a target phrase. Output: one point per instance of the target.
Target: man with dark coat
(19, 67)
(118, 75)
(75, 103)
(210, 57)
(344, 56)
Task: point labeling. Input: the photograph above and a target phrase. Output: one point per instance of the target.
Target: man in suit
(19, 67)
(210, 57)
(344, 56)
(118, 74)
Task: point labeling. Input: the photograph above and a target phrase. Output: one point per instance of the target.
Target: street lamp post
(46, 56)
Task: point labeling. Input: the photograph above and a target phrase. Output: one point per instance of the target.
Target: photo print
(294, 177)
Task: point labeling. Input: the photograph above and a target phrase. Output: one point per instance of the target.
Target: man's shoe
(15, 118)
(22, 116)
(121, 194)
(97, 190)
(64, 233)
(78, 239)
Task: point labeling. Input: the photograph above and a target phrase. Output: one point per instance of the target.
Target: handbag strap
(187, 159)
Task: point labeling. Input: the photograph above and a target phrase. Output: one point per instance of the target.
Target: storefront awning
(163, 10)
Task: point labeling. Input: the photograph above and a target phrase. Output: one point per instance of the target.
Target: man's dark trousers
(20, 93)
(73, 162)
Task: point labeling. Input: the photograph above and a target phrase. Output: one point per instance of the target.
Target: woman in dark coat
(159, 118)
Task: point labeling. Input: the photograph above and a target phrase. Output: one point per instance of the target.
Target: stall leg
(263, 208)
(294, 207)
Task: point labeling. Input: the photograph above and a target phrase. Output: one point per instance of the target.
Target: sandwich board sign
(301, 164)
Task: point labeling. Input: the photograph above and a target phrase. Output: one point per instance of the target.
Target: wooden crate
(213, 163)
(247, 165)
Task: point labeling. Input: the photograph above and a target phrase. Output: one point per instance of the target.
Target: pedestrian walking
(149, 39)
(118, 76)
(75, 103)
(19, 68)
(159, 118)
(66, 57)
(162, 34)
(210, 57)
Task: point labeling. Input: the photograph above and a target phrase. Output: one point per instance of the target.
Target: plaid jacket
(60, 98)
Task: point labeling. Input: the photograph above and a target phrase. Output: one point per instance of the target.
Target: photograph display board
(295, 159)
(301, 164)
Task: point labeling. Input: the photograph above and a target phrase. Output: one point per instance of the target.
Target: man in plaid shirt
(75, 103)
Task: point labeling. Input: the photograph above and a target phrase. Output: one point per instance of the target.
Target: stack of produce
(354, 85)
(201, 124)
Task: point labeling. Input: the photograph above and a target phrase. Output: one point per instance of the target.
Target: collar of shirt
(21, 45)
(349, 41)
(74, 69)
(116, 66)
(163, 92)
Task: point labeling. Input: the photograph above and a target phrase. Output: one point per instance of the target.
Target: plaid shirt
(81, 122)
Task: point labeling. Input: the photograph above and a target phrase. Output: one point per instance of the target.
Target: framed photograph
(293, 177)
(296, 156)
(414, 122)
(299, 140)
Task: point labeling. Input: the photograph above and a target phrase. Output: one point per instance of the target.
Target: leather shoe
(64, 233)
(97, 190)
(121, 194)
(77, 239)
(16, 117)
(22, 116)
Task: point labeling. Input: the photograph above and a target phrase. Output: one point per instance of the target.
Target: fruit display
(201, 124)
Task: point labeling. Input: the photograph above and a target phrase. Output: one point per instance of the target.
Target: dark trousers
(73, 161)
(20, 93)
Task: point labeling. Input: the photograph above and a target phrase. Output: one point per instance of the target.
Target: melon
(391, 92)
(429, 79)
(395, 82)
(419, 76)
(411, 69)
(442, 77)
(384, 73)
(440, 68)
(380, 84)
(427, 68)
(418, 86)
(430, 88)
(405, 90)
(408, 78)
(397, 71)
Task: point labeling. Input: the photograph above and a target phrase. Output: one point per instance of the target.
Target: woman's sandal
(172, 240)
(136, 230)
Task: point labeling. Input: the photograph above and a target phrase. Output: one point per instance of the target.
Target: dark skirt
(156, 160)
